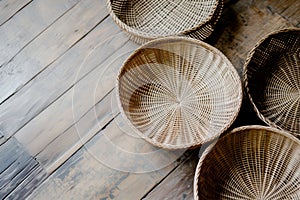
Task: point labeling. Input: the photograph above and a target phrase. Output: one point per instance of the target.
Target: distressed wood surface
(55, 40)
(20, 173)
(8, 8)
(104, 170)
(72, 103)
(57, 99)
(67, 70)
(27, 24)
(179, 184)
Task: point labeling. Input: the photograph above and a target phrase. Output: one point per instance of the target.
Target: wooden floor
(61, 134)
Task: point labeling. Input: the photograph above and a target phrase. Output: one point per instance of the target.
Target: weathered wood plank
(9, 152)
(67, 143)
(8, 8)
(288, 9)
(28, 23)
(88, 175)
(36, 176)
(92, 87)
(62, 74)
(56, 40)
(179, 183)
(18, 169)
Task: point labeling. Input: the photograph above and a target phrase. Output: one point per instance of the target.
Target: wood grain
(38, 93)
(33, 19)
(179, 184)
(20, 173)
(56, 40)
(67, 143)
(74, 103)
(87, 176)
(8, 8)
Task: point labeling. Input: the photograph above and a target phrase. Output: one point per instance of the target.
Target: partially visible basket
(272, 79)
(178, 92)
(252, 162)
(146, 20)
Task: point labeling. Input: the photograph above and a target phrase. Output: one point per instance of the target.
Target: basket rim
(235, 131)
(150, 36)
(207, 47)
(245, 73)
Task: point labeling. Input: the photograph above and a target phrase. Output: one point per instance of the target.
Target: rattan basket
(178, 92)
(272, 79)
(253, 162)
(145, 20)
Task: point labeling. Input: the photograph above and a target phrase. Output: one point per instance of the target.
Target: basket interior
(163, 17)
(251, 164)
(178, 94)
(274, 80)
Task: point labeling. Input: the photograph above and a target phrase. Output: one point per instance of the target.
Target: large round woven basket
(272, 79)
(146, 20)
(253, 162)
(178, 92)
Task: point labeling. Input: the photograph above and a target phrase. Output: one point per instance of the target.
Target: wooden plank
(288, 9)
(28, 23)
(179, 183)
(36, 176)
(51, 44)
(67, 143)
(8, 8)
(88, 175)
(38, 94)
(9, 153)
(41, 131)
(15, 169)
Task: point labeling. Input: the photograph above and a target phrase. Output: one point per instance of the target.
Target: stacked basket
(145, 20)
(177, 92)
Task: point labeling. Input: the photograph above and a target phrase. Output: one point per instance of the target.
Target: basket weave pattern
(252, 162)
(272, 79)
(145, 20)
(178, 92)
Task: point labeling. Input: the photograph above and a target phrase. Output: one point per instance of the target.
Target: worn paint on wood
(24, 27)
(56, 40)
(8, 8)
(178, 184)
(95, 168)
(67, 143)
(38, 94)
(20, 173)
(75, 103)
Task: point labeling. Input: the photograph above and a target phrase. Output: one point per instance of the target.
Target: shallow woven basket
(145, 20)
(252, 162)
(178, 92)
(272, 80)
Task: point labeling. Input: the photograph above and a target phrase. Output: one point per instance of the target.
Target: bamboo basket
(251, 162)
(272, 80)
(145, 20)
(178, 92)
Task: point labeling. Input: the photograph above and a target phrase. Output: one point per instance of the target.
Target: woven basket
(145, 20)
(252, 162)
(272, 80)
(178, 92)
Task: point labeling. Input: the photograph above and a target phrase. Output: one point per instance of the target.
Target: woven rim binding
(229, 69)
(239, 130)
(204, 28)
(246, 78)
